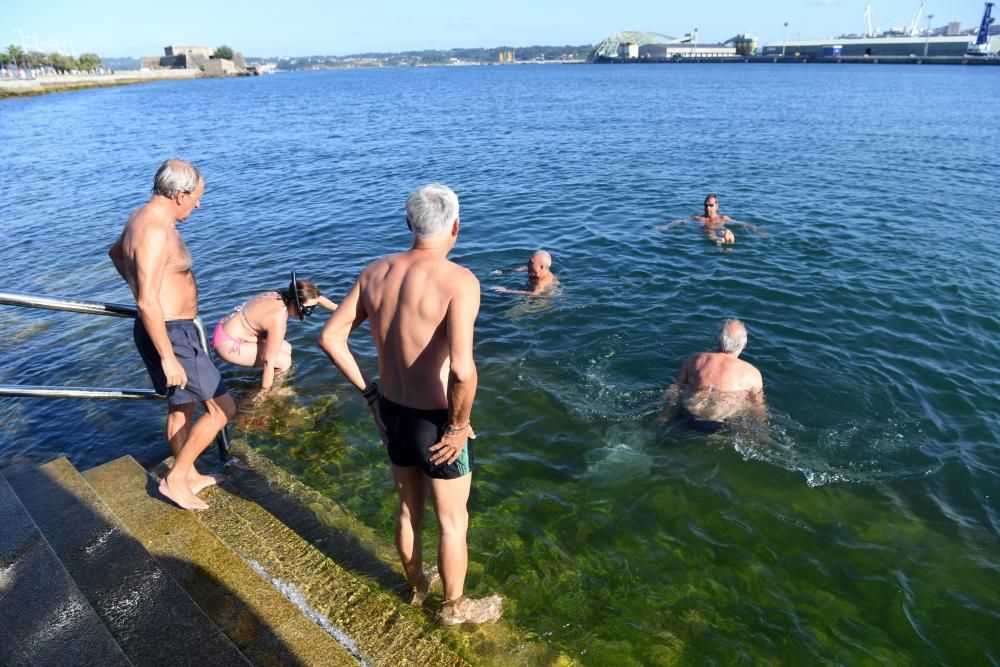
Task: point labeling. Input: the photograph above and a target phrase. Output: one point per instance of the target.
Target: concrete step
(44, 618)
(373, 621)
(370, 556)
(154, 621)
(266, 627)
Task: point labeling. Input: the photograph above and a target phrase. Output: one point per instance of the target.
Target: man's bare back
(408, 297)
(714, 386)
(720, 371)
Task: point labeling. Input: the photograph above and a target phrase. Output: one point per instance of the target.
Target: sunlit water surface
(861, 525)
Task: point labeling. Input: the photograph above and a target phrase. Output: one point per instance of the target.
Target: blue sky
(312, 27)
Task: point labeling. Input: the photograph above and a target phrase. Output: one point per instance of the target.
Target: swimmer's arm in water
(670, 397)
(747, 227)
(507, 290)
(758, 406)
(672, 223)
(516, 269)
(326, 303)
(539, 292)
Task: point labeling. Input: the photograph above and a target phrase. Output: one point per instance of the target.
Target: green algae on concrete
(264, 625)
(342, 538)
(370, 618)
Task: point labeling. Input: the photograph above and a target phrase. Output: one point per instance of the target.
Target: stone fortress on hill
(195, 57)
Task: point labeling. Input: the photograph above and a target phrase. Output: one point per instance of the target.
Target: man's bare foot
(467, 610)
(426, 581)
(181, 494)
(198, 482)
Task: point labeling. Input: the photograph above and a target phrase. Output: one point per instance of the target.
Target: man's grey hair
(175, 176)
(731, 336)
(545, 257)
(431, 210)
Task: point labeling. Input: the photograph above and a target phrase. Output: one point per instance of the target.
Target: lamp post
(927, 38)
(784, 35)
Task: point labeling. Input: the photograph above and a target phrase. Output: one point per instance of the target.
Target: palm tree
(16, 54)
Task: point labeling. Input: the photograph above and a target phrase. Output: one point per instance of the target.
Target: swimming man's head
(711, 202)
(539, 263)
(732, 337)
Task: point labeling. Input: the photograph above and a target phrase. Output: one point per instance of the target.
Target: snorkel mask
(303, 311)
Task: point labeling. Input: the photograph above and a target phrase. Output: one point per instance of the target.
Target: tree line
(22, 59)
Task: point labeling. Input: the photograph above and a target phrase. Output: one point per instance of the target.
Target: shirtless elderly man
(540, 276)
(422, 309)
(152, 258)
(714, 386)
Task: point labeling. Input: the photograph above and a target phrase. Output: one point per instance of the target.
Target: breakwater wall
(53, 83)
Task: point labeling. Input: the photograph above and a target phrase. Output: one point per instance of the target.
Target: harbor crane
(981, 46)
(913, 30)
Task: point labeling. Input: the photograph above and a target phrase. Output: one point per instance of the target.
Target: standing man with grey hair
(152, 258)
(714, 386)
(422, 309)
(540, 277)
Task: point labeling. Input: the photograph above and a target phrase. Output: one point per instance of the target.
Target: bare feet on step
(468, 610)
(180, 493)
(421, 589)
(198, 482)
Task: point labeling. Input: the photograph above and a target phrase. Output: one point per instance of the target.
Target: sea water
(860, 525)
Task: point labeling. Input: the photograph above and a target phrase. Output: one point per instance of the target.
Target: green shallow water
(860, 526)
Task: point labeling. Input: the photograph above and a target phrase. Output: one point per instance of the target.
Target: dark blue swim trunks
(697, 423)
(203, 379)
(412, 431)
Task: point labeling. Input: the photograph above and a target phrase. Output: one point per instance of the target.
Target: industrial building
(678, 51)
(946, 41)
(901, 46)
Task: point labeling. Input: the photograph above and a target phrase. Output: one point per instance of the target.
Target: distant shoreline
(58, 83)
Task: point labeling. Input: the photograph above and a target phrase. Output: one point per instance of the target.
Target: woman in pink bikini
(253, 334)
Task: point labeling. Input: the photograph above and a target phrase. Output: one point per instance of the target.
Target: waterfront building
(679, 51)
(628, 50)
(609, 46)
(900, 46)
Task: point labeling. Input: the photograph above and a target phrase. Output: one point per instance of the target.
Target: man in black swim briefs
(152, 258)
(422, 308)
(411, 434)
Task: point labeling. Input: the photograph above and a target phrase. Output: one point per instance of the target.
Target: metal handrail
(94, 308)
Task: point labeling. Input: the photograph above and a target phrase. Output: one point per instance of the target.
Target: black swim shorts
(697, 423)
(412, 431)
(203, 379)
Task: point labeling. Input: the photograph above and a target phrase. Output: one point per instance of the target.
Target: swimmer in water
(541, 280)
(712, 387)
(714, 223)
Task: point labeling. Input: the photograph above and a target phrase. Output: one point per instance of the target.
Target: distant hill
(119, 64)
(432, 57)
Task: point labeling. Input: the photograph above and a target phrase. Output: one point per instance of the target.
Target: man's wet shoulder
(463, 275)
